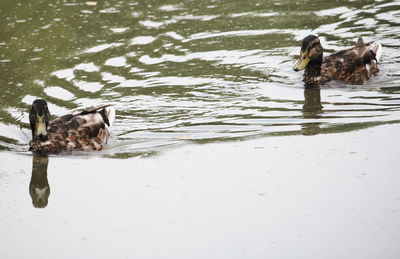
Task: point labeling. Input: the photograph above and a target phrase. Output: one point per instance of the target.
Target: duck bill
(41, 128)
(301, 63)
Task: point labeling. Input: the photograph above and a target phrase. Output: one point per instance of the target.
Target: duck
(355, 65)
(86, 130)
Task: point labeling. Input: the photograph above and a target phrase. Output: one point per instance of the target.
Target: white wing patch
(110, 111)
(92, 119)
(376, 47)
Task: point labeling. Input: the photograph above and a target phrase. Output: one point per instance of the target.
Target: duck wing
(355, 65)
(88, 130)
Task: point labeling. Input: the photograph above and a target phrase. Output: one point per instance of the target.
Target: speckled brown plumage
(355, 65)
(88, 130)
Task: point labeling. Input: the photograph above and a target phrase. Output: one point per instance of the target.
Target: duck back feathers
(356, 65)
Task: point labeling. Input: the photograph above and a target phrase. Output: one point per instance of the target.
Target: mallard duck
(355, 65)
(87, 130)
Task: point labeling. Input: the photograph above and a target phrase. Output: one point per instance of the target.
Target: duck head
(39, 117)
(311, 53)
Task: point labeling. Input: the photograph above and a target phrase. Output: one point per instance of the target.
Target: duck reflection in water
(39, 187)
(312, 109)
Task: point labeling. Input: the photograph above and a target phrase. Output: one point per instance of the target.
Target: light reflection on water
(191, 71)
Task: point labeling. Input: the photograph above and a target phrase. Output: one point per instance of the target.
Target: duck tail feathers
(110, 114)
(376, 48)
(107, 112)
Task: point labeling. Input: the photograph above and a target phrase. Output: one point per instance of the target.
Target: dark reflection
(39, 187)
(311, 109)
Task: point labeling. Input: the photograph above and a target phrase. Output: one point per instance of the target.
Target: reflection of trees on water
(39, 187)
(312, 108)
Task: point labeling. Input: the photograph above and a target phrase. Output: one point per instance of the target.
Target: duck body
(87, 130)
(355, 65)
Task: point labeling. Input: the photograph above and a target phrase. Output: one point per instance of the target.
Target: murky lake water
(181, 73)
(191, 71)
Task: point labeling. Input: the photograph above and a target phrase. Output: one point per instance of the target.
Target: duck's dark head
(39, 117)
(310, 54)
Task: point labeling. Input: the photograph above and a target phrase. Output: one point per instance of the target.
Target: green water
(191, 71)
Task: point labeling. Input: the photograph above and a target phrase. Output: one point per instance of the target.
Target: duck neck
(312, 73)
(313, 68)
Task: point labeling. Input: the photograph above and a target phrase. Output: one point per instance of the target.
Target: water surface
(188, 71)
(316, 175)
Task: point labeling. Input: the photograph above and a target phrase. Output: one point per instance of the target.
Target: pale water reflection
(326, 196)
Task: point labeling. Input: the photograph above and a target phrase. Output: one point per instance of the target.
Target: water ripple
(187, 71)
